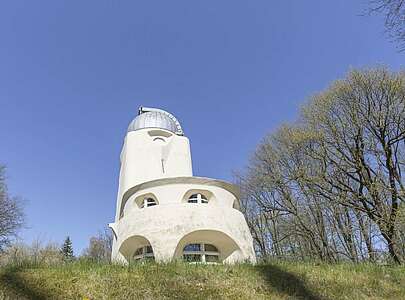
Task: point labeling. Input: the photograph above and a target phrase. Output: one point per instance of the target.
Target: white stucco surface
(156, 163)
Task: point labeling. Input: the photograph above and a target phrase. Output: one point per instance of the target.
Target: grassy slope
(180, 281)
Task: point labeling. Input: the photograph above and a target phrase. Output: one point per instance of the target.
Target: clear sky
(73, 73)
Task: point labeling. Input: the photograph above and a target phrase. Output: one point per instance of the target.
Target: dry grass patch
(278, 280)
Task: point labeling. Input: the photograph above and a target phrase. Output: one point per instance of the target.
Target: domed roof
(155, 118)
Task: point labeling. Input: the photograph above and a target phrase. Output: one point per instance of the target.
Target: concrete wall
(177, 193)
(157, 163)
(152, 153)
(173, 223)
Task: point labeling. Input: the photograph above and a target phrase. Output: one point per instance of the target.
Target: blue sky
(73, 73)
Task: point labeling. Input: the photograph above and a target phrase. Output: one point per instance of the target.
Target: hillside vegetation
(329, 186)
(278, 280)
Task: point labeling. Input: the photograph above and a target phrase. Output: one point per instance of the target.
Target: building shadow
(18, 288)
(287, 283)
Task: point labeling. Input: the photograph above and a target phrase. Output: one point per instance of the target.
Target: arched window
(159, 140)
(197, 198)
(201, 252)
(148, 201)
(144, 253)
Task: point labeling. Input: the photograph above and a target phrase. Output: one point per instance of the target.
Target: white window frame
(202, 253)
(145, 203)
(144, 253)
(200, 199)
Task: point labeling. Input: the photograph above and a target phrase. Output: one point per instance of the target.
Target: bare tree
(359, 123)
(38, 253)
(330, 186)
(11, 213)
(100, 246)
(394, 12)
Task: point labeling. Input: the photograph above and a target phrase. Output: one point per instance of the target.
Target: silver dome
(155, 118)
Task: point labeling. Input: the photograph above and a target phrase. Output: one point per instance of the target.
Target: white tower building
(166, 213)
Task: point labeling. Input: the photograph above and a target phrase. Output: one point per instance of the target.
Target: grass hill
(278, 280)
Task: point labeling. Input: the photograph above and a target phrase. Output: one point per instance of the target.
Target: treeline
(51, 253)
(15, 252)
(330, 186)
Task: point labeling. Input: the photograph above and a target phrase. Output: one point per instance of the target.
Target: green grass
(278, 280)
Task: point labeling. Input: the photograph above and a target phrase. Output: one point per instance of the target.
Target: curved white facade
(156, 170)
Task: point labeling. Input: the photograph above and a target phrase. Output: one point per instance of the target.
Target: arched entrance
(137, 248)
(206, 246)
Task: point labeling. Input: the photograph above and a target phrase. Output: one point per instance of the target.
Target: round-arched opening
(146, 200)
(197, 198)
(137, 248)
(159, 140)
(206, 246)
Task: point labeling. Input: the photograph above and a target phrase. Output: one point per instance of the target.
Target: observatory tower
(163, 211)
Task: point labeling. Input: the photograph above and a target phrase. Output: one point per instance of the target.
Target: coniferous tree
(67, 249)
